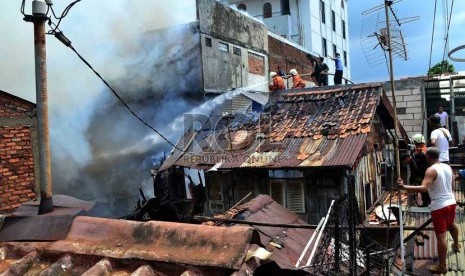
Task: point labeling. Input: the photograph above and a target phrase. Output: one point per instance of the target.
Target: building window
(325, 48)
(334, 50)
(208, 42)
(267, 10)
(322, 12)
(343, 29)
(333, 20)
(242, 7)
(223, 47)
(285, 8)
(289, 193)
(345, 58)
(342, 3)
(237, 51)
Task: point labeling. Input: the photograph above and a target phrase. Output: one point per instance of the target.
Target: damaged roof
(286, 244)
(110, 244)
(318, 127)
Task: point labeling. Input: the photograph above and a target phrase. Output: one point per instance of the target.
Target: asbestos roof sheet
(175, 245)
(292, 240)
(319, 127)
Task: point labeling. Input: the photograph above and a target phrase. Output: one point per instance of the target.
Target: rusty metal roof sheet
(320, 127)
(177, 244)
(293, 240)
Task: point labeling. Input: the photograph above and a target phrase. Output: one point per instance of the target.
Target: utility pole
(387, 6)
(38, 18)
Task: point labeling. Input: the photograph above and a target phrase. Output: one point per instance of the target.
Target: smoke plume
(98, 149)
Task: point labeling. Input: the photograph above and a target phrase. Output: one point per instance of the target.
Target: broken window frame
(334, 50)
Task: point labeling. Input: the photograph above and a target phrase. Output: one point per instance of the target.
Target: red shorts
(443, 218)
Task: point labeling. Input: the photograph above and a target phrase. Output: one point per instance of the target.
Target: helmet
(272, 74)
(418, 138)
(462, 173)
(293, 72)
(435, 120)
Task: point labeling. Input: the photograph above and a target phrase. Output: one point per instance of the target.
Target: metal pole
(387, 4)
(337, 240)
(320, 233)
(38, 19)
(352, 242)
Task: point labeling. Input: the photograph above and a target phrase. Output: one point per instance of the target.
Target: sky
(417, 36)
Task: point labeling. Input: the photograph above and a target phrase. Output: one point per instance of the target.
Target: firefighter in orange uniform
(297, 81)
(276, 83)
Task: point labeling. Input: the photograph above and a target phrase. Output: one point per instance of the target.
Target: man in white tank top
(438, 182)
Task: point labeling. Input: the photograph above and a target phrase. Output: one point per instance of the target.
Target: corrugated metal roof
(293, 240)
(319, 127)
(427, 253)
(176, 245)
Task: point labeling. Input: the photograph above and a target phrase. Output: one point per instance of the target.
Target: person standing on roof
(339, 69)
(323, 78)
(438, 182)
(440, 138)
(443, 115)
(418, 164)
(297, 81)
(276, 83)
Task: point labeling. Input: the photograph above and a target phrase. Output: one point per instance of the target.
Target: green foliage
(441, 68)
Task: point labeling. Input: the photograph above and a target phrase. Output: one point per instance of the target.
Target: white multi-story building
(321, 26)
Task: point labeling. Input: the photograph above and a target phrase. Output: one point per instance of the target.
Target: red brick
(18, 192)
(31, 195)
(13, 198)
(7, 173)
(14, 160)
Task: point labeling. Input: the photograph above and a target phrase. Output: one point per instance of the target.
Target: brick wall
(256, 64)
(17, 183)
(288, 57)
(409, 102)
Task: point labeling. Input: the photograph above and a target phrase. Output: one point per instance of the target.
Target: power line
(447, 35)
(432, 36)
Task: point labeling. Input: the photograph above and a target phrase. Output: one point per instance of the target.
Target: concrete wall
(226, 24)
(238, 55)
(410, 104)
(18, 151)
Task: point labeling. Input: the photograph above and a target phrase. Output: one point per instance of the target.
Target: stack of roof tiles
(325, 126)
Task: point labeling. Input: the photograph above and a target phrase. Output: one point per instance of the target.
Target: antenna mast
(387, 6)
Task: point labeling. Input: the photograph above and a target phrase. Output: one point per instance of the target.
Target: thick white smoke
(87, 125)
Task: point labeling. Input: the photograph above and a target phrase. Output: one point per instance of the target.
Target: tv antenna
(388, 36)
(374, 36)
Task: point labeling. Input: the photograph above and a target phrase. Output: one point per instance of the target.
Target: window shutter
(277, 191)
(295, 197)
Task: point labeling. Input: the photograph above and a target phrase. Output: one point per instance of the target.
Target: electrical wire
(447, 36)
(432, 36)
